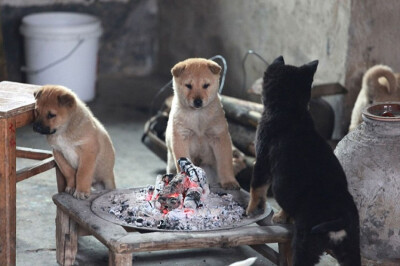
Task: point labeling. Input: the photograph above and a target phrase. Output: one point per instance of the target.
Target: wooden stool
(75, 218)
(16, 110)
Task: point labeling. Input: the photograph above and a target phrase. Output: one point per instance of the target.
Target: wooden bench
(75, 218)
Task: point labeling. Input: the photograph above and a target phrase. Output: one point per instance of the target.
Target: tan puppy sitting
(81, 146)
(197, 127)
(379, 84)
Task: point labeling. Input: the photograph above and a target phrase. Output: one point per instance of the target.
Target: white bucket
(61, 48)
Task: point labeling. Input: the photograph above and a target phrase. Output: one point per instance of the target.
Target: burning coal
(178, 202)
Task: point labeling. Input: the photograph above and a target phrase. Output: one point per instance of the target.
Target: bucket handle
(37, 71)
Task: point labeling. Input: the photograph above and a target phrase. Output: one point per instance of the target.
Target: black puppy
(307, 180)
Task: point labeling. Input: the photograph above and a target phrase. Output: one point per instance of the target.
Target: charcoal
(161, 224)
(177, 202)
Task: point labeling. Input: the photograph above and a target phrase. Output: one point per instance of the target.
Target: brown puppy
(197, 127)
(81, 146)
(379, 84)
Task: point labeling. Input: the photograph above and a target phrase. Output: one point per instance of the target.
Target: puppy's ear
(214, 67)
(279, 61)
(178, 69)
(66, 100)
(37, 93)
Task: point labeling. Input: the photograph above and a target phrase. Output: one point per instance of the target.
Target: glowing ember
(180, 202)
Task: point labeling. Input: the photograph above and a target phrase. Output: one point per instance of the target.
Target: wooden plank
(24, 118)
(66, 238)
(34, 154)
(16, 98)
(7, 192)
(285, 254)
(79, 210)
(243, 137)
(267, 252)
(83, 232)
(115, 259)
(326, 89)
(247, 235)
(35, 169)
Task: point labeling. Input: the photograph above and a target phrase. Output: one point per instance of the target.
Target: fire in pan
(223, 209)
(181, 202)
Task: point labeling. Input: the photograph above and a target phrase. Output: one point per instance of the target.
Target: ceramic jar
(370, 156)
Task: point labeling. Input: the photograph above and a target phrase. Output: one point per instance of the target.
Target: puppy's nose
(198, 102)
(37, 127)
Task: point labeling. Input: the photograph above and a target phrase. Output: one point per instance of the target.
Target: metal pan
(102, 204)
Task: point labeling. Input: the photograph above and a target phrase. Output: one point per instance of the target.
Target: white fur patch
(67, 149)
(247, 262)
(337, 236)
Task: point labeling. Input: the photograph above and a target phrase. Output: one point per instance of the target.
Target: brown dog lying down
(81, 146)
(197, 127)
(379, 84)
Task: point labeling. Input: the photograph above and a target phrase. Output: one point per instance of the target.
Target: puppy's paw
(255, 208)
(231, 185)
(238, 165)
(280, 218)
(258, 201)
(81, 195)
(70, 190)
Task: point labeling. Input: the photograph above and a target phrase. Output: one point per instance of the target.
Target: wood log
(244, 112)
(318, 90)
(241, 161)
(243, 137)
(153, 140)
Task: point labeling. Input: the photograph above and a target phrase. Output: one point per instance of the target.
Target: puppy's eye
(371, 101)
(205, 86)
(50, 115)
(189, 86)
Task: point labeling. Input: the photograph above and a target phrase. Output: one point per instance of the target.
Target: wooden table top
(16, 98)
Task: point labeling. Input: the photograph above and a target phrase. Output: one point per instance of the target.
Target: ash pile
(178, 202)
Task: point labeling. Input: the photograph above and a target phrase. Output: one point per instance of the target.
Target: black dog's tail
(335, 225)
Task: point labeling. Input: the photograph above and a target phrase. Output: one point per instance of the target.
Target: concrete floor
(118, 107)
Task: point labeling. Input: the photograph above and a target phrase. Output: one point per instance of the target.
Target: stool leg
(285, 254)
(61, 184)
(7, 192)
(115, 259)
(66, 238)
